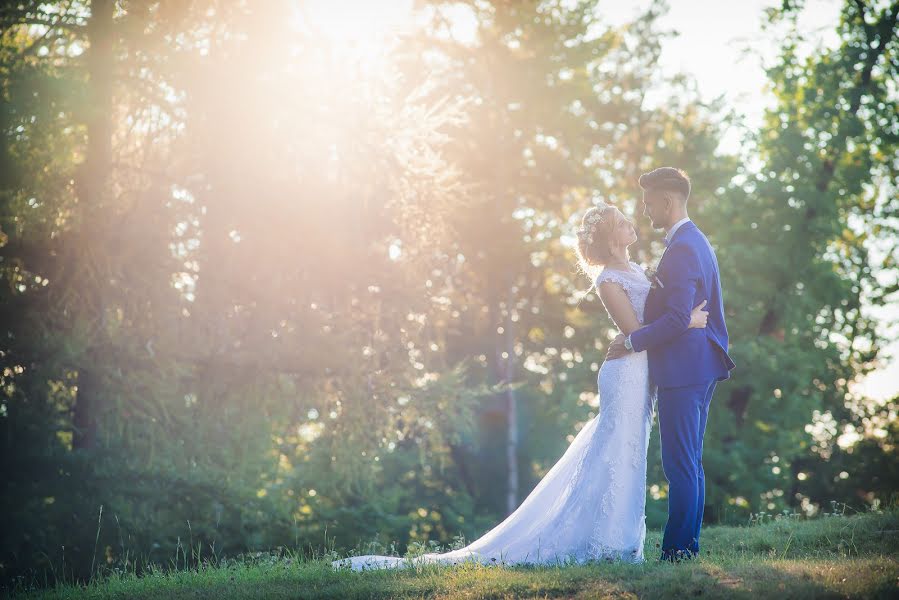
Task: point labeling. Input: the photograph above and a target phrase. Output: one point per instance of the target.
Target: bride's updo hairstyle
(597, 226)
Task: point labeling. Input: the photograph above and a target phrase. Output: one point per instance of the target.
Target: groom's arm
(681, 285)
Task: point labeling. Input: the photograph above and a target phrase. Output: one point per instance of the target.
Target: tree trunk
(84, 418)
(511, 410)
(90, 185)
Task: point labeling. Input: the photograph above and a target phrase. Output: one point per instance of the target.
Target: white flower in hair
(594, 218)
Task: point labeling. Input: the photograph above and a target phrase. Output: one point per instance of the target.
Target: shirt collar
(669, 235)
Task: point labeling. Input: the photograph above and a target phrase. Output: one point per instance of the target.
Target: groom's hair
(666, 179)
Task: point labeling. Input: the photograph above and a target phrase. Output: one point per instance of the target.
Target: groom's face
(657, 206)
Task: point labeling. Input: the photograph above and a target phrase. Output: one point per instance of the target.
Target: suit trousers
(683, 412)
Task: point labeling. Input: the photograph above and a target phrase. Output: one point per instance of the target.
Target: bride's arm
(615, 299)
(683, 284)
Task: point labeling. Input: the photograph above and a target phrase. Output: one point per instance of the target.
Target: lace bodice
(634, 282)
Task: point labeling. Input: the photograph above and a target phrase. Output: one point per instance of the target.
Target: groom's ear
(675, 199)
(670, 200)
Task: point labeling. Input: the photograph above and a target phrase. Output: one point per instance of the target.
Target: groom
(684, 363)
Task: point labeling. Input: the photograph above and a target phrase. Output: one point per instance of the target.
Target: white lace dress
(591, 504)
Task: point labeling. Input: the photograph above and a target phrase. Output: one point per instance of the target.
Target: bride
(591, 503)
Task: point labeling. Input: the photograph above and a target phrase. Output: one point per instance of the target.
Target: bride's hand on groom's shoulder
(616, 348)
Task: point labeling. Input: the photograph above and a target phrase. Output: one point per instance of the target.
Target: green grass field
(826, 557)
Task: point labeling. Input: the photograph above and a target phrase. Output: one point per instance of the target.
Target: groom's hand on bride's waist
(617, 348)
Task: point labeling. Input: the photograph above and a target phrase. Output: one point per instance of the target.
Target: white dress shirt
(670, 233)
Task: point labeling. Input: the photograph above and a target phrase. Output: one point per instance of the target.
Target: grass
(831, 557)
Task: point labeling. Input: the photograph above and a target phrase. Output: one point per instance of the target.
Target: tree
(171, 396)
(799, 246)
(560, 98)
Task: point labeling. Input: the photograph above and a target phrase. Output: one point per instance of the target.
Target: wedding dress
(591, 504)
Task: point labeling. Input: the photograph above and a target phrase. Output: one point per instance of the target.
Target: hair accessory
(593, 219)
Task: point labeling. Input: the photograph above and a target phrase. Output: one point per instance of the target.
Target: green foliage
(807, 242)
(259, 291)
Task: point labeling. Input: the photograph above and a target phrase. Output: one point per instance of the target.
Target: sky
(713, 40)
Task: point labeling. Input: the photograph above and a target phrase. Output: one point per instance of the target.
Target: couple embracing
(670, 354)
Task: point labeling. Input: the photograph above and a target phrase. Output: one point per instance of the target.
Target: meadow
(772, 556)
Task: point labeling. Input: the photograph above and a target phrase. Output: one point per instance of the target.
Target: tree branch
(11, 20)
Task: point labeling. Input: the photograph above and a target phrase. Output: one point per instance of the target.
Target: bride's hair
(597, 225)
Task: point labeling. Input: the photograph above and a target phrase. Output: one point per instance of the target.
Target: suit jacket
(679, 356)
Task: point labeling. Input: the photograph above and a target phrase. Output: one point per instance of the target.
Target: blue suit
(685, 364)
